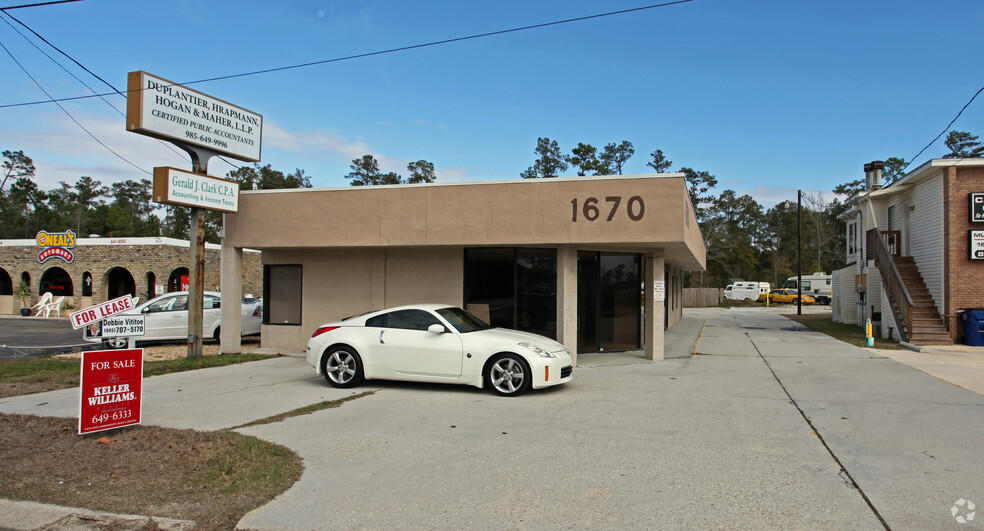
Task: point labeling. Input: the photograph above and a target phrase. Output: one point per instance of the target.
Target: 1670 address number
(635, 208)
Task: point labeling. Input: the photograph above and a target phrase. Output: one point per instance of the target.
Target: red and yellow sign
(56, 245)
(110, 392)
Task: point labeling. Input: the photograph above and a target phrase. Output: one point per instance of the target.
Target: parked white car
(166, 318)
(436, 343)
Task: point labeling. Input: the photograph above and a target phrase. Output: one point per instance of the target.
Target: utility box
(973, 321)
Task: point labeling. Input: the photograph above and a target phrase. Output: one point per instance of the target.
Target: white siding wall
(926, 234)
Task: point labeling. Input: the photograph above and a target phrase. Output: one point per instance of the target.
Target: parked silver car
(166, 318)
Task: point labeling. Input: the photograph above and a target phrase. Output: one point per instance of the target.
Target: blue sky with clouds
(769, 96)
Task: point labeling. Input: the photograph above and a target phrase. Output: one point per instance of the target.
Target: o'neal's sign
(56, 245)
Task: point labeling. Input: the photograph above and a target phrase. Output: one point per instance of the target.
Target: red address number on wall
(592, 208)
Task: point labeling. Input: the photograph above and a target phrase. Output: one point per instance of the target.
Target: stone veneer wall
(138, 260)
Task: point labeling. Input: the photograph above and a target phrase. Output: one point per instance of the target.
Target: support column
(232, 293)
(654, 264)
(567, 299)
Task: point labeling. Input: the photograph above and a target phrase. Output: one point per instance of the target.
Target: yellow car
(788, 296)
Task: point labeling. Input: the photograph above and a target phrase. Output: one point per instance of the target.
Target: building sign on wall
(977, 207)
(977, 245)
(159, 108)
(177, 187)
(56, 245)
(110, 391)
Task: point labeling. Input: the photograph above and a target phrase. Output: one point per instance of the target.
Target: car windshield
(462, 321)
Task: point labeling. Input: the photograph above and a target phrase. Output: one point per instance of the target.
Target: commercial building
(594, 262)
(915, 251)
(87, 271)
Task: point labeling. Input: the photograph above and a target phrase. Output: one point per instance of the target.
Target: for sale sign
(110, 393)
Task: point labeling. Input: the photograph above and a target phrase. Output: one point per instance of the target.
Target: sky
(769, 96)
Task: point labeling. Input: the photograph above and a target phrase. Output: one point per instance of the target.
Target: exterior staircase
(927, 327)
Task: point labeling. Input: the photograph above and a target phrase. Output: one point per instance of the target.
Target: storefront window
(513, 288)
(282, 294)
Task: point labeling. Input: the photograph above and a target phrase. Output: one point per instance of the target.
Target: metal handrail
(899, 299)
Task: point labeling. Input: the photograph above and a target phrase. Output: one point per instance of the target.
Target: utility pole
(799, 252)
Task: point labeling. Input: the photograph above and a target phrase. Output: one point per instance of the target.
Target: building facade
(594, 262)
(911, 252)
(105, 268)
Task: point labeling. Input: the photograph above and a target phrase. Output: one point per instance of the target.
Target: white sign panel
(977, 208)
(659, 291)
(123, 326)
(178, 187)
(98, 312)
(977, 245)
(162, 109)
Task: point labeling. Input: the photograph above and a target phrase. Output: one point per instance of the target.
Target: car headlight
(539, 351)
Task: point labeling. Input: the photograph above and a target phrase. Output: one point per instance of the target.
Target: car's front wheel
(508, 375)
(342, 367)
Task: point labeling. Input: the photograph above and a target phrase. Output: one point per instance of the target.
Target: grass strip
(306, 410)
(847, 333)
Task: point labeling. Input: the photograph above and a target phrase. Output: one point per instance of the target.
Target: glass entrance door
(609, 300)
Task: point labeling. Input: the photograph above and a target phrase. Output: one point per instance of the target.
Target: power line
(28, 74)
(392, 50)
(945, 129)
(90, 72)
(39, 4)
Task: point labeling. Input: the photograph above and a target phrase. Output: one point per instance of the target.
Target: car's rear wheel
(342, 367)
(508, 375)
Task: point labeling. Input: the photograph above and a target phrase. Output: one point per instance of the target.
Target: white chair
(54, 306)
(42, 304)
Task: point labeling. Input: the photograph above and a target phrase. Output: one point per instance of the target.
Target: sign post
(203, 126)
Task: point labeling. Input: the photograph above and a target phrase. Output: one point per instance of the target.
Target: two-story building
(914, 252)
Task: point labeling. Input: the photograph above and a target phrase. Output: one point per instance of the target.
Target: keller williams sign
(110, 393)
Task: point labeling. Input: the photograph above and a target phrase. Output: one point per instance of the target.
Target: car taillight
(258, 311)
(323, 330)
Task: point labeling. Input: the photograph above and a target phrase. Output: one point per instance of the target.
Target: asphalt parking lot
(769, 426)
(27, 337)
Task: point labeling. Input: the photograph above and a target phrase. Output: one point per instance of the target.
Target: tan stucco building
(594, 262)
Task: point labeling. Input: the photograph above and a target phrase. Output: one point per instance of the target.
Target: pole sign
(176, 187)
(977, 207)
(95, 313)
(977, 245)
(162, 109)
(110, 392)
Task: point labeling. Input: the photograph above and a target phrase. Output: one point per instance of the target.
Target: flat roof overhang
(634, 213)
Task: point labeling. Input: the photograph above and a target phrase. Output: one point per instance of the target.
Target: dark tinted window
(412, 319)
(377, 322)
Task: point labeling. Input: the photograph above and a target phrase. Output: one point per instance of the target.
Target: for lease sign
(110, 392)
(92, 314)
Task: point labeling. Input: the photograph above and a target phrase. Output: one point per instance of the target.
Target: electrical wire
(90, 72)
(945, 129)
(392, 50)
(60, 106)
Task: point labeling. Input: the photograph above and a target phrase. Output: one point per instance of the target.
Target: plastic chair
(42, 303)
(54, 306)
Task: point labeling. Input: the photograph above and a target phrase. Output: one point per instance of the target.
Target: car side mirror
(436, 329)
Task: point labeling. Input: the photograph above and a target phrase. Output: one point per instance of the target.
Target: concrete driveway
(768, 427)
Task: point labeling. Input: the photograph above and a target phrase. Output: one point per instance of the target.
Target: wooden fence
(702, 296)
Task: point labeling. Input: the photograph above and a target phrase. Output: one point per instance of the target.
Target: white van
(816, 285)
(745, 291)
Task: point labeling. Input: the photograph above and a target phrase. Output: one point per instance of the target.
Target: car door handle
(381, 340)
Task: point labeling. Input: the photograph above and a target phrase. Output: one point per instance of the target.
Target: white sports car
(436, 343)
